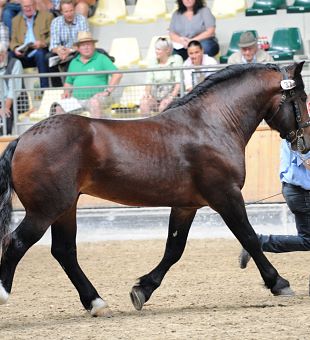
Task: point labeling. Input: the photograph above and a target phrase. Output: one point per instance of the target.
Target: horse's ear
(298, 68)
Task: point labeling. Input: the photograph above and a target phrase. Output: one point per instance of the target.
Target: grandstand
(265, 26)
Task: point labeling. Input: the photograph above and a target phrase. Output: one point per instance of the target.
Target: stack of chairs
(265, 7)
(285, 43)
(299, 6)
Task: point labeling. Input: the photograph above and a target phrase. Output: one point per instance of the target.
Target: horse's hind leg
(15, 245)
(179, 225)
(64, 250)
(233, 212)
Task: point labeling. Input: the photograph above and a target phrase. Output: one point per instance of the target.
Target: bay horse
(191, 155)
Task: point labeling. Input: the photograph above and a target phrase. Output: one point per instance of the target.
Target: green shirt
(98, 62)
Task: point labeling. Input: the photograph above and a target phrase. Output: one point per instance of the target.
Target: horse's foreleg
(64, 251)
(15, 246)
(234, 214)
(179, 224)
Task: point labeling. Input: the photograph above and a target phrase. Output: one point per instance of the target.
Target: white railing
(34, 103)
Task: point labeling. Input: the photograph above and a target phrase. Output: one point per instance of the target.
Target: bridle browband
(288, 86)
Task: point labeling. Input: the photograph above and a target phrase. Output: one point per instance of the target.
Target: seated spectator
(64, 32)
(160, 94)
(249, 51)
(193, 20)
(4, 35)
(85, 7)
(10, 10)
(2, 4)
(9, 65)
(31, 37)
(52, 6)
(89, 60)
(196, 57)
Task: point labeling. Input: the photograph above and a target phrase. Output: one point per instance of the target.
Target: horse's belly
(145, 195)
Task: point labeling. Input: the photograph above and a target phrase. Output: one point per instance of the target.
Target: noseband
(288, 91)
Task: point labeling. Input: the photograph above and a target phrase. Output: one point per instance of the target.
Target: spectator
(2, 4)
(158, 96)
(10, 10)
(64, 31)
(12, 66)
(196, 57)
(295, 178)
(86, 8)
(49, 5)
(193, 20)
(89, 60)
(4, 35)
(249, 51)
(32, 27)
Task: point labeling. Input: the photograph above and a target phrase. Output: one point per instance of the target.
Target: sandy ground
(204, 296)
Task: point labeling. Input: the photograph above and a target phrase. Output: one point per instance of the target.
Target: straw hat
(84, 37)
(247, 39)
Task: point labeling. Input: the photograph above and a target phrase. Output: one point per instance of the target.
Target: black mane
(228, 72)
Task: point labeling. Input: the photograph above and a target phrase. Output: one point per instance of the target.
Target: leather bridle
(288, 86)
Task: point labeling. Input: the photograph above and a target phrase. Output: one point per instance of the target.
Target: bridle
(288, 86)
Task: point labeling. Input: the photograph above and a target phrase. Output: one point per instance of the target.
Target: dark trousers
(298, 200)
(38, 60)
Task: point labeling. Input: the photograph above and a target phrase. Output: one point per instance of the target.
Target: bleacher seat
(126, 52)
(108, 12)
(299, 6)
(151, 51)
(240, 5)
(285, 43)
(146, 11)
(265, 7)
(233, 45)
(224, 9)
(168, 15)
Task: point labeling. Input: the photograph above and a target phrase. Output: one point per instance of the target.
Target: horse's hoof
(4, 295)
(287, 291)
(137, 297)
(100, 308)
(282, 288)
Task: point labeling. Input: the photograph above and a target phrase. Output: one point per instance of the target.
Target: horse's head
(290, 116)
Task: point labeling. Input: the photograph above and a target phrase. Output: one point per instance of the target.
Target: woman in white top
(159, 93)
(196, 57)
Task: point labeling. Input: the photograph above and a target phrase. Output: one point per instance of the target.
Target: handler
(295, 178)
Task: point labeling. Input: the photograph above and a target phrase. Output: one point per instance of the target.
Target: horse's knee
(62, 253)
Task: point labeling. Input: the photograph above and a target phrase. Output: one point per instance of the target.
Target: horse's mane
(229, 72)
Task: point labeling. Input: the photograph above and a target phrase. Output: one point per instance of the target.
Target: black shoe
(244, 258)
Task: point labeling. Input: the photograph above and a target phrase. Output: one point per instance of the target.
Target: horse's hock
(262, 167)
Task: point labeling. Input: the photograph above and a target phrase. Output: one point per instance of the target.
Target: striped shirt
(4, 35)
(65, 34)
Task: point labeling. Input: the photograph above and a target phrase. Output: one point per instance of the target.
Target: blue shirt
(292, 170)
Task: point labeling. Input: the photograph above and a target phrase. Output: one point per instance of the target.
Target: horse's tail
(6, 189)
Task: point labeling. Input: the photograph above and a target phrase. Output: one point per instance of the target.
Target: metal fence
(34, 103)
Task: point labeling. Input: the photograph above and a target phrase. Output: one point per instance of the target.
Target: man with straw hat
(90, 90)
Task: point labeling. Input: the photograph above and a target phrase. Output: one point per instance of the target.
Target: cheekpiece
(288, 84)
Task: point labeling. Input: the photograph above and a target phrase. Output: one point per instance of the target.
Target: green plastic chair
(233, 45)
(299, 6)
(285, 43)
(265, 7)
